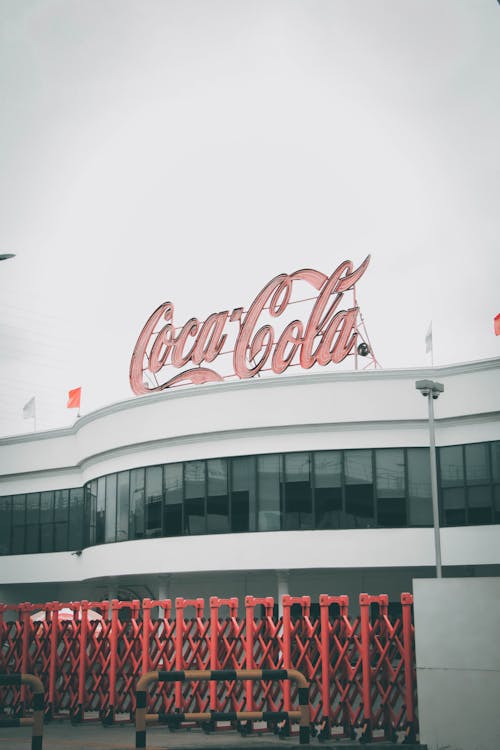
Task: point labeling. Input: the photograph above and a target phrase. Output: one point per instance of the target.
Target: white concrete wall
(457, 627)
(307, 550)
(367, 409)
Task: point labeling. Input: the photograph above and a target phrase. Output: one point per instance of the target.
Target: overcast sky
(153, 150)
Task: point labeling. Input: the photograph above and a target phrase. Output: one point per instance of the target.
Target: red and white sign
(328, 335)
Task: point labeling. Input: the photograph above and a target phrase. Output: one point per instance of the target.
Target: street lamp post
(432, 390)
(6, 256)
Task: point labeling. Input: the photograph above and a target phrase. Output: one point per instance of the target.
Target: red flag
(496, 324)
(74, 398)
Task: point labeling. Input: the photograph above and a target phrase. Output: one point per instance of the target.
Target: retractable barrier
(89, 656)
(141, 717)
(36, 721)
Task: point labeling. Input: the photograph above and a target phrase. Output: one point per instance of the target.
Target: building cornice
(284, 381)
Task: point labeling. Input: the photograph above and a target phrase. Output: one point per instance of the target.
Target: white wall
(307, 550)
(457, 626)
(367, 409)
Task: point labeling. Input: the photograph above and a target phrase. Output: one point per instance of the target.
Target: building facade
(307, 484)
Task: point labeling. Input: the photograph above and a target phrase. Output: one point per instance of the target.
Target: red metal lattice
(361, 670)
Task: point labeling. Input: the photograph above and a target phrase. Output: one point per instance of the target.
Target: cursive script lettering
(329, 335)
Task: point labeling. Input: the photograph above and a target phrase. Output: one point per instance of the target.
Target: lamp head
(429, 387)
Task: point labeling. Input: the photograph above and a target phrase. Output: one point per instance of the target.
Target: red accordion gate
(361, 670)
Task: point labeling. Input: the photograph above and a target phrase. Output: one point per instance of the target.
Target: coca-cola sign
(329, 334)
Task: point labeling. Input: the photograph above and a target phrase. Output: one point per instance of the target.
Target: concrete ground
(61, 735)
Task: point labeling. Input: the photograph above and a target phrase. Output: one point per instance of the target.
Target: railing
(360, 667)
(141, 717)
(36, 721)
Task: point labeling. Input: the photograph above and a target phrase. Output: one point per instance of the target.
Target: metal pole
(434, 487)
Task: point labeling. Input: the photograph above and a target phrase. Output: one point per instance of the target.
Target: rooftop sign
(328, 335)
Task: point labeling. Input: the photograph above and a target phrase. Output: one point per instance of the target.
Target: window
(101, 510)
(5, 522)
(90, 511)
(391, 495)
(477, 464)
(243, 494)
(76, 519)
(328, 490)
(359, 487)
(46, 521)
(451, 464)
(61, 517)
(110, 524)
(172, 519)
(297, 492)
(419, 487)
(154, 501)
(18, 523)
(268, 483)
(137, 498)
(384, 487)
(123, 503)
(217, 496)
(33, 522)
(194, 502)
(454, 506)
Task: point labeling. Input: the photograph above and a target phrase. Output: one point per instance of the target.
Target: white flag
(428, 339)
(29, 409)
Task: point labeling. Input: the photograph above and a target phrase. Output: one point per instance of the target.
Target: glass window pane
(46, 507)
(451, 466)
(90, 512)
(390, 472)
(154, 500)
(137, 502)
(47, 537)
(477, 465)
(479, 505)
(359, 486)
(101, 510)
(328, 490)
(32, 538)
(17, 547)
(390, 475)
(32, 522)
(123, 507)
(419, 487)
(172, 519)
(268, 482)
(5, 521)
(61, 505)
(496, 501)
(454, 506)
(110, 525)
(243, 494)
(297, 494)
(18, 510)
(217, 496)
(194, 503)
(76, 519)
(60, 537)
(495, 460)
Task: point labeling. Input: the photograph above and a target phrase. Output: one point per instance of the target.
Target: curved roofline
(268, 382)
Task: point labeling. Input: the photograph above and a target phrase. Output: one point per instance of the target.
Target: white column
(282, 577)
(164, 589)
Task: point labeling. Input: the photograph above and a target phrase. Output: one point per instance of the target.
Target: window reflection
(387, 487)
(359, 486)
(268, 484)
(194, 504)
(328, 490)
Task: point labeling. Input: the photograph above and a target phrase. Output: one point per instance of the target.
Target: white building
(308, 484)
